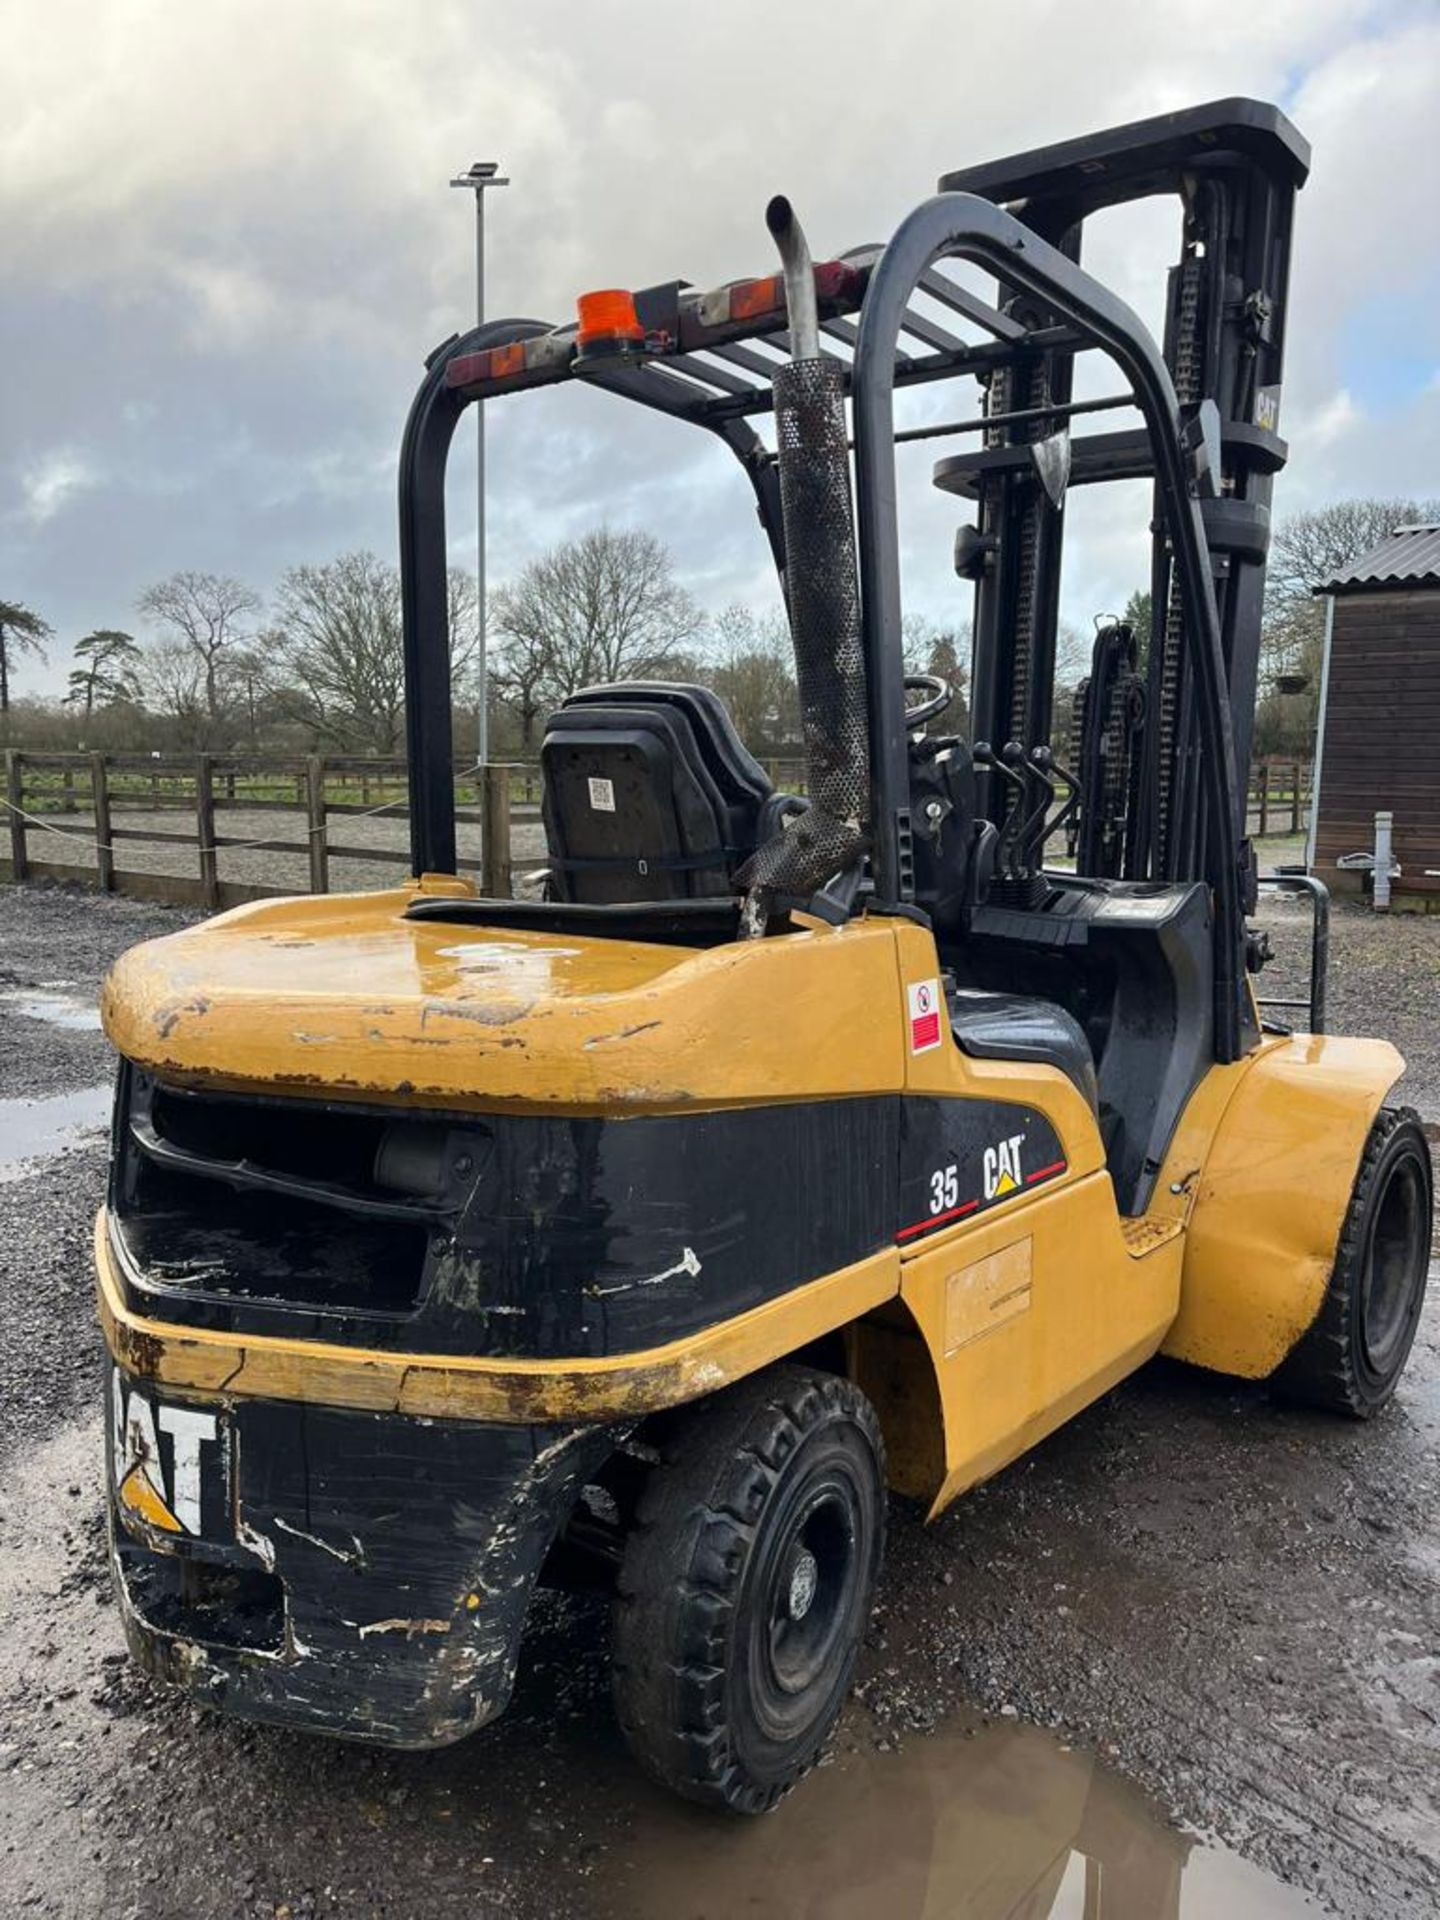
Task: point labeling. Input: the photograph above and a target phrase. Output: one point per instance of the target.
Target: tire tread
(680, 1576)
(1320, 1371)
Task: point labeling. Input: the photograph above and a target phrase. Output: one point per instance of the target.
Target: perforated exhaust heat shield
(822, 591)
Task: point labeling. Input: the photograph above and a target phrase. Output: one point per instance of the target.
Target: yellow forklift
(789, 1148)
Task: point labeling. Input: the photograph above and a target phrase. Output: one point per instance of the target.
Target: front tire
(1352, 1358)
(746, 1585)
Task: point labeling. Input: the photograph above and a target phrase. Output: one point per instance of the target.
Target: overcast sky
(228, 245)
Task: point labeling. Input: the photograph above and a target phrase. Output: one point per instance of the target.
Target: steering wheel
(940, 698)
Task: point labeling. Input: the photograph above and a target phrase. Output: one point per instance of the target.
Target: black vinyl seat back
(649, 795)
(743, 784)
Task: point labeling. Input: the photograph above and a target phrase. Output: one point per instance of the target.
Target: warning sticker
(924, 1015)
(602, 795)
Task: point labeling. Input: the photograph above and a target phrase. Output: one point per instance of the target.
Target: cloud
(51, 481)
(230, 242)
(1329, 423)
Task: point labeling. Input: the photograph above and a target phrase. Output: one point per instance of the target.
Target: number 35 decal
(944, 1188)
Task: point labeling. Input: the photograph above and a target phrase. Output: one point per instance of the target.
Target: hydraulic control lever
(1067, 812)
(1015, 838)
(984, 755)
(1034, 825)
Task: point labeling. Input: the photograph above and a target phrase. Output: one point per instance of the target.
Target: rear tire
(1351, 1359)
(746, 1585)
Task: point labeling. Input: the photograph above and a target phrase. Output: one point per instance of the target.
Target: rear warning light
(749, 302)
(505, 361)
(546, 353)
(752, 299)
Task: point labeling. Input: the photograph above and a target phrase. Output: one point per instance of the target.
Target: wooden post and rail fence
(130, 800)
(77, 816)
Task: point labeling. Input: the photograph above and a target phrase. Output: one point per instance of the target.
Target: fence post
(100, 805)
(1295, 801)
(15, 795)
(67, 788)
(1264, 798)
(315, 815)
(205, 832)
(495, 833)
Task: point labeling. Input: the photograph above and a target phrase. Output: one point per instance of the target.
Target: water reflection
(1002, 1825)
(32, 1129)
(55, 1009)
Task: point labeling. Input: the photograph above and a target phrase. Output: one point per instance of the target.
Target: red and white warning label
(924, 1015)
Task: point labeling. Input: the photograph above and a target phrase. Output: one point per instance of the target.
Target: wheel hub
(804, 1579)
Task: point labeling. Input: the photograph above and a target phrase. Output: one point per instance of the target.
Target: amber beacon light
(607, 322)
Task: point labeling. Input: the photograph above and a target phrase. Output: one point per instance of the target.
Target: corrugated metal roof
(1408, 557)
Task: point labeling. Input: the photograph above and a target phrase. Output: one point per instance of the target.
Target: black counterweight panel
(575, 1238)
(517, 1236)
(592, 1236)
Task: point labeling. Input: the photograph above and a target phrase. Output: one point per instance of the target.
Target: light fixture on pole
(481, 174)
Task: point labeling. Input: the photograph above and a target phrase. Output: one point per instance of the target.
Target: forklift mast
(1234, 166)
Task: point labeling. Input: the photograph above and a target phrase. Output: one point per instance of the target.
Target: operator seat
(649, 794)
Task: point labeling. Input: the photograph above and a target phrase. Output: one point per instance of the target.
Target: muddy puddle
(57, 1009)
(30, 1130)
(989, 1823)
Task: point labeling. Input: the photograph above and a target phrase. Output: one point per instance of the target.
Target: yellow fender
(1267, 1205)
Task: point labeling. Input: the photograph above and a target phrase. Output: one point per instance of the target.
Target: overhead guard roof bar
(841, 284)
(672, 380)
(702, 392)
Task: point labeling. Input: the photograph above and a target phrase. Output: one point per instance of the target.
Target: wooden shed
(1379, 744)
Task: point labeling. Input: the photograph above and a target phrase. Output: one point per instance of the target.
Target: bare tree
(931, 648)
(21, 631)
(1307, 550)
(1310, 548)
(251, 677)
(206, 612)
(754, 674)
(463, 609)
(520, 670)
(337, 655)
(106, 672)
(172, 686)
(603, 607)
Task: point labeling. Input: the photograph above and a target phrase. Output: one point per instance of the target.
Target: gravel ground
(1235, 1605)
(1384, 978)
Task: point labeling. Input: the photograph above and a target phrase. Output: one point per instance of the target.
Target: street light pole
(481, 174)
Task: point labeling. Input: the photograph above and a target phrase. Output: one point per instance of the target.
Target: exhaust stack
(822, 594)
(799, 272)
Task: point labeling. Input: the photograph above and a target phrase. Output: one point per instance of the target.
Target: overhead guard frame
(893, 345)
